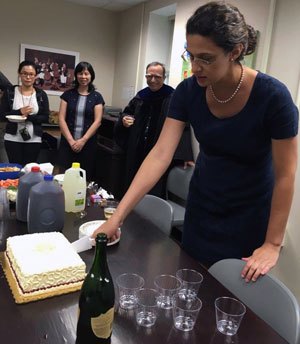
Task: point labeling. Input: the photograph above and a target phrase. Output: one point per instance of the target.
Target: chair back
(268, 297)
(178, 181)
(157, 211)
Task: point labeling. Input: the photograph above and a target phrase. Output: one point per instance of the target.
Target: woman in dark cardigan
(23, 136)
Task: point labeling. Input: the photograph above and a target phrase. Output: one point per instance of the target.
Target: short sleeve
(98, 98)
(65, 96)
(283, 117)
(178, 109)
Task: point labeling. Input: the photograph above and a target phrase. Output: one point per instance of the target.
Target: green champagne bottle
(97, 299)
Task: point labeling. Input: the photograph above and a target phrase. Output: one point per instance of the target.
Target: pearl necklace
(233, 94)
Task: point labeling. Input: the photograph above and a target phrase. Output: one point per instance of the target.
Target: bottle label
(102, 325)
(79, 202)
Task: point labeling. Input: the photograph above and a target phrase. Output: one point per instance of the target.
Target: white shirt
(19, 102)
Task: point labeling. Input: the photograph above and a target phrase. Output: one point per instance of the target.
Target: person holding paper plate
(25, 108)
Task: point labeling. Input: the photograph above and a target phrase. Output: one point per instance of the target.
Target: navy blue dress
(230, 193)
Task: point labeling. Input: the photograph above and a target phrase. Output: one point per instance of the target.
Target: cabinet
(50, 144)
(110, 157)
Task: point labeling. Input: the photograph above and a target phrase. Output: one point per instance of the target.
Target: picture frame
(55, 67)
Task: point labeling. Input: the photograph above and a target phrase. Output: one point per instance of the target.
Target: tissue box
(96, 198)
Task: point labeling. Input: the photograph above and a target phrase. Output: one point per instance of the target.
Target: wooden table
(145, 250)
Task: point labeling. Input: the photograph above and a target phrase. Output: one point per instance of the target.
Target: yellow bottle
(74, 186)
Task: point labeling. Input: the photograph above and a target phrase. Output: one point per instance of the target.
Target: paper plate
(16, 118)
(59, 178)
(88, 228)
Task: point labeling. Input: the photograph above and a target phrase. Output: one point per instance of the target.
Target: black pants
(22, 153)
(86, 158)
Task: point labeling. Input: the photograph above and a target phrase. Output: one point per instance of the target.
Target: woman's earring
(231, 60)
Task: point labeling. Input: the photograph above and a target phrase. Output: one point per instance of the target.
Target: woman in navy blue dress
(246, 123)
(80, 115)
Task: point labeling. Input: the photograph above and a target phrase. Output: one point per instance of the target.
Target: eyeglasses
(186, 56)
(27, 75)
(155, 76)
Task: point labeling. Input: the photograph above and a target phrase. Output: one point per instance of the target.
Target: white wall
(284, 64)
(61, 25)
(160, 34)
(127, 55)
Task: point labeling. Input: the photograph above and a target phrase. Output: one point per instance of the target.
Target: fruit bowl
(9, 171)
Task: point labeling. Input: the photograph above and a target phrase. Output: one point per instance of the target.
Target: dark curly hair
(225, 25)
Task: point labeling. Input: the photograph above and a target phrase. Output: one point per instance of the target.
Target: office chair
(157, 211)
(268, 297)
(178, 185)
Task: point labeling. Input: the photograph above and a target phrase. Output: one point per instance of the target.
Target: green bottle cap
(101, 237)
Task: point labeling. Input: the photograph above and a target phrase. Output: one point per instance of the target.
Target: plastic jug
(25, 184)
(46, 207)
(4, 204)
(74, 186)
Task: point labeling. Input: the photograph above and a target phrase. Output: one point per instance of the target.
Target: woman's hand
(26, 110)
(110, 228)
(263, 259)
(128, 121)
(186, 164)
(77, 145)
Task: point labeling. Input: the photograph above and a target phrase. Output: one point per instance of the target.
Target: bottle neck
(100, 262)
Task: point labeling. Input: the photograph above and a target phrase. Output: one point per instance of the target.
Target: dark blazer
(149, 110)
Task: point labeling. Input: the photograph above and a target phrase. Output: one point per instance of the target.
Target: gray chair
(157, 211)
(268, 297)
(177, 191)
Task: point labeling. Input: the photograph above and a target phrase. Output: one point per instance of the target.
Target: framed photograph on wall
(55, 67)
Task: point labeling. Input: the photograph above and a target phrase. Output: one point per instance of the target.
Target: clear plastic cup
(167, 286)
(146, 311)
(109, 208)
(185, 312)
(128, 286)
(229, 314)
(191, 281)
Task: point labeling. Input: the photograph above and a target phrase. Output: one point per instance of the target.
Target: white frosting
(44, 260)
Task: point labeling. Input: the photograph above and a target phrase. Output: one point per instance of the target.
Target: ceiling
(111, 5)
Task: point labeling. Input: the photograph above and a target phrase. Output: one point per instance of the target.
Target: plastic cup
(146, 312)
(110, 208)
(185, 312)
(167, 286)
(191, 281)
(129, 120)
(229, 314)
(128, 286)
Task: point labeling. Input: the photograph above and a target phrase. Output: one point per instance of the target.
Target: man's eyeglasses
(28, 75)
(186, 56)
(155, 76)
